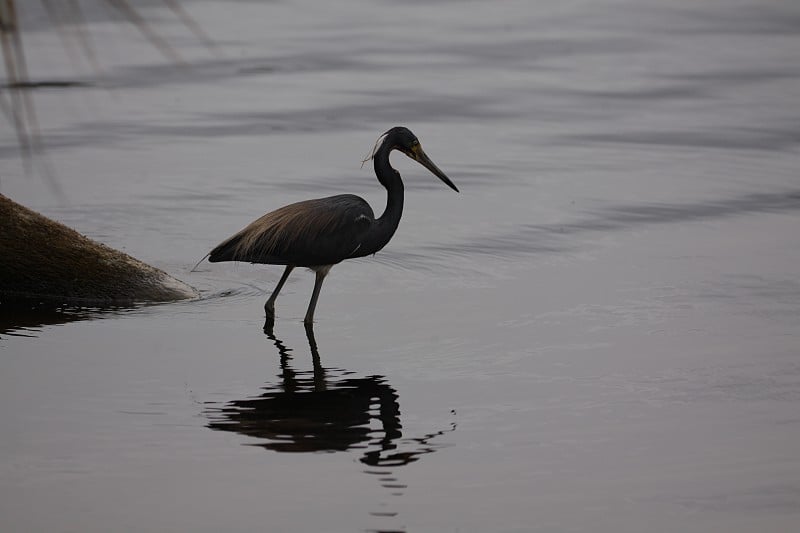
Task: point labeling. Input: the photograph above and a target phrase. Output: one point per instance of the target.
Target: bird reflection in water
(327, 410)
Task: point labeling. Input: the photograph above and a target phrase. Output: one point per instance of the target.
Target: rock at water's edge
(43, 259)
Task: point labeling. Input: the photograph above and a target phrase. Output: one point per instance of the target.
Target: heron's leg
(321, 273)
(269, 307)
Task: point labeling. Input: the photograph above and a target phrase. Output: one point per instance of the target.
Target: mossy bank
(41, 259)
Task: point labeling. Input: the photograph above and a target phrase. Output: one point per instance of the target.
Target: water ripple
(528, 239)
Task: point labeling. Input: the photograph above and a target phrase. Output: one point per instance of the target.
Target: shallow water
(600, 333)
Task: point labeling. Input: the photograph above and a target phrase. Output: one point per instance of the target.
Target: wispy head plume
(374, 150)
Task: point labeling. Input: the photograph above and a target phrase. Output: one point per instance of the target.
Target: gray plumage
(323, 232)
(310, 233)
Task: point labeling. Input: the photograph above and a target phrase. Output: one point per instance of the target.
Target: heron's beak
(422, 158)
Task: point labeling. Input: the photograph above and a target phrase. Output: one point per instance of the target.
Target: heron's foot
(269, 325)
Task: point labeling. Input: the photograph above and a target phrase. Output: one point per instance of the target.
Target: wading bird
(320, 233)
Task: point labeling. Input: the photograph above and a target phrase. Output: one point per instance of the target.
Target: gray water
(600, 333)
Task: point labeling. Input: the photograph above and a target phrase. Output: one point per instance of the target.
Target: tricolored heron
(320, 233)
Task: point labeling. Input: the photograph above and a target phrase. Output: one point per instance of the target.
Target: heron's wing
(309, 233)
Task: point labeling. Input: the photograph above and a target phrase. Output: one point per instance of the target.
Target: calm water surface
(600, 333)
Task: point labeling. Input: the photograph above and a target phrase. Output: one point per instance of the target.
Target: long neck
(389, 178)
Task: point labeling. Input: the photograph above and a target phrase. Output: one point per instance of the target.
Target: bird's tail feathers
(227, 251)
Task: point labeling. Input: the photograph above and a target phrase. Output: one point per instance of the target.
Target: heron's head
(402, 139)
